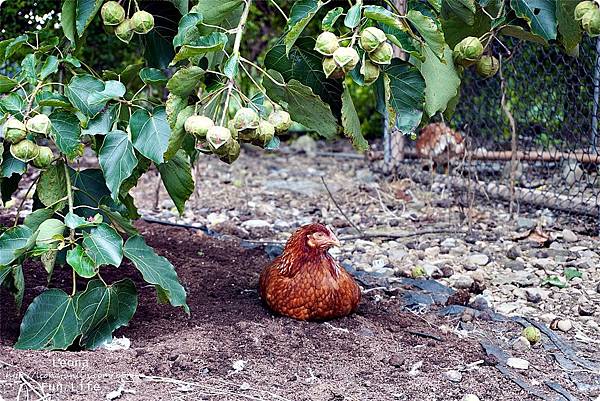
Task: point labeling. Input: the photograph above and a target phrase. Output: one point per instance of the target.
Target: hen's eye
(318, 235)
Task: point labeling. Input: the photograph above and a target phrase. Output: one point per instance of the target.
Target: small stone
(480, 259)
(547, 317)
(521, 344)
(514, 265)
(533, 296)
(454, 376)
(569, 236)
(448, 243)
(517, 363)
(470, 397)
(396, 361)
(586, 310)
(379, 263)
(255, 224)
(525, 223)
(396, 256)
(513, 252)
(461, 281)
(564, 325)
(467, 316)
(447, 271)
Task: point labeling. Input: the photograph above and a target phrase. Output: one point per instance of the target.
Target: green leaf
(554, 281)
(520, 33)
(74, 221)
(48, 259)
(569, 29)
(214, 42)
(103, 123)
(122, 224)
(28, 68)
(66, 132)
(406, 94)
(67, 19)
(158, 50)
(18, 284)
(15, 45)
(441, 80)
(14, 242)
(463, 9)
(181, 5)
(456, 30)
(4, 272)
(150, 133)
(50, 322)
(102, 310)
(74, 61)
(386, 17)
(50, 67)
(351, 122)
(83, 265)
(331, 18)
(230, 69)
(37, 217)
(303, 105)
(184, 81)
(300, 15)
(10, 165)
(187, 30)
(85, 13)
(156, 270)
(52, 187)
(103, 245)
(216, 11)
(79, 90)
(539, 14)
(112, 90)
(7, 84)
(117, 160)
(48, 98)
(429, 30)
(571, 273)
(90, 189)
(49, 233)
(176, 175)
(353, 16)
(13, 104)
(153, 76)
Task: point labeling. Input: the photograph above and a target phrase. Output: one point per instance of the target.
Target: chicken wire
(553, 99)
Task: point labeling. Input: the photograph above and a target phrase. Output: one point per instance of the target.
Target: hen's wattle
(305, 282)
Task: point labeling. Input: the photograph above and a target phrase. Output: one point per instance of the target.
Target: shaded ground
(368, 356)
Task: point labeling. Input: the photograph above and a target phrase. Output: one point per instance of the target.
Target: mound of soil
(232, 348)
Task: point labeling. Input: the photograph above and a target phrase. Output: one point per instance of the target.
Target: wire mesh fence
(552, 162)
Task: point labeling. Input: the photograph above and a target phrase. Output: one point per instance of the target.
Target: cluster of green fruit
(339, 60)
(246, 126)
(588, 15)
(24, 149)
(113, 16)
(469, 51)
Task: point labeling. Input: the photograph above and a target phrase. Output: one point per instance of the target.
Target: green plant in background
(200, 88)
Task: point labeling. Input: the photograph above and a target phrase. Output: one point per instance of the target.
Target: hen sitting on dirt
(305, 282)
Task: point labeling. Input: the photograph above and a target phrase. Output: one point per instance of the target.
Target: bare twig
(401, 235)
(338, 206)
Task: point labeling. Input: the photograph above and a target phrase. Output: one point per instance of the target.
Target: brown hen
(305, 282)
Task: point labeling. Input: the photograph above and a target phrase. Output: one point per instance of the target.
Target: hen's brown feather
(307, 284)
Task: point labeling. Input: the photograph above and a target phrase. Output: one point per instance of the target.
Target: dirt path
(231, 348)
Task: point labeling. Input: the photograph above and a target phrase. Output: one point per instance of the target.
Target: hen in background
(440, 144)
(305, 282)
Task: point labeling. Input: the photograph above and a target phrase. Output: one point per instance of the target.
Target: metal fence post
(594, 138)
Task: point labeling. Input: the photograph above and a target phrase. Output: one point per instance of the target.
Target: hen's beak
(334, 241)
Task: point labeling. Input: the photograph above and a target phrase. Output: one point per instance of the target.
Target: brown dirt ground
(366, 356)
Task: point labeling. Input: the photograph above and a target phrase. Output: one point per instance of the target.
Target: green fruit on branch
(112, 13)
(14, 130)
(281, 120)
(369, 71)
(232, 152)
(591, 22)
(468, 51)
(264, 133)
(532, 334)
(124, 31)
(327, 43)
(39, 124)
(331, 69)
(246, 118)
(44, 157)
(383, 54)
(25, 150)
(371, 38)
(582, 8)
(198, 125)
(487, 66)
(142, 22)
(217, 138)
(346, 58)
